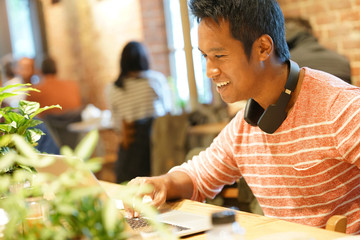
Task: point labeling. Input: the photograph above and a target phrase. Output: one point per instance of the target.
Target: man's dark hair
(133, 58)
(48, 66)
(248, 19)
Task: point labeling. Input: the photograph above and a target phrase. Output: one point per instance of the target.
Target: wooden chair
(337, 223)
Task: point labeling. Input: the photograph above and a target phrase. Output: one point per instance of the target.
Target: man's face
(226, 62)
(26, 68)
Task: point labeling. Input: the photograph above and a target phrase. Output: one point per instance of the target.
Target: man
(308, 52)
(26, 70)
(66, 93)
(306, 170)
(54, 91)
(12, 79)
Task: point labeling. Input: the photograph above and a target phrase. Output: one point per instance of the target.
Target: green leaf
(79, 193)
(36, 161)
(24, 148)
(110, 215)
(34, 122)
(6, 128)
(67, 151)
(18, 87)
(40, 110)
(28, 107)
(5, 181)
(94, 164)
(87, 145)
(35, 134)
(7, 95)
(7, 160)
(15, 89)
(4, 114)
(15, 117)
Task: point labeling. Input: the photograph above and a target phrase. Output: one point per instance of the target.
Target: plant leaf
(35, 134)
(7, 160)
(110, 215)
(28, 107)
(16, 89)
(23, 147)
(6, 128)
(94, 164)
(34, 122)
(87, 145)
(40, 110)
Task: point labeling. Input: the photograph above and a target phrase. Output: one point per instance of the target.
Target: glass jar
(224, 226)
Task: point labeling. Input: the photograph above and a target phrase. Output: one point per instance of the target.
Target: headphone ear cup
(252, 112)
(272, 118)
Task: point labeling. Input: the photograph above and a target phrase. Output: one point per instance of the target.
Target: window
(203, 84)
(178, 53)
(21, 34)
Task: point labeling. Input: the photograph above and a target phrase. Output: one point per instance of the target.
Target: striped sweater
(305, 172)
(133, 103)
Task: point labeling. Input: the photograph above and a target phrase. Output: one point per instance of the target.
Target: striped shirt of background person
(133, 103)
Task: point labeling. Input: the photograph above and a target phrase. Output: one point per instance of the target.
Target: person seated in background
(25, 68)
(306, 50)
(12, 79)
(54, 90)
(135, 98)
(46, 144)
(66, 93)
(296, 143)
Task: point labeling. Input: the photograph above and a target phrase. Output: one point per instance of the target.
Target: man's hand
(172, 185)
(157, 195)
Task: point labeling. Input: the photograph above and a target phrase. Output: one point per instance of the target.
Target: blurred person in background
(66, 93)
(46, 144)
(306, 50)
(26, 70)
(11, 79)
(54, 90)
(136, 97)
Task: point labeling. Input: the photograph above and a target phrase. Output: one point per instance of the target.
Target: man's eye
(203, 55)
(219, 56)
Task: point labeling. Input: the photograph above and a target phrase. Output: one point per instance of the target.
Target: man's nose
(212, 71)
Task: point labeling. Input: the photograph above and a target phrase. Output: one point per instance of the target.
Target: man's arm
(179, 185)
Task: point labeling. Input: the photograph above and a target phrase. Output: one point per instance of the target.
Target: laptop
(181, 223)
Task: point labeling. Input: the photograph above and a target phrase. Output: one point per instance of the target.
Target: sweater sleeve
(345, 114)
(214, 167)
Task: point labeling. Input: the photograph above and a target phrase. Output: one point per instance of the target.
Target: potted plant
(19, 120)
(55, 207)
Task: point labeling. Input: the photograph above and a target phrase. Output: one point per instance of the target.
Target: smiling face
(226, 63)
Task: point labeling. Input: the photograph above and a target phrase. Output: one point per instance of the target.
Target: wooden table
(91, 124)
(256, 225)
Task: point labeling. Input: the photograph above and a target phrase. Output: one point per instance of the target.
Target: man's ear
(264, 46)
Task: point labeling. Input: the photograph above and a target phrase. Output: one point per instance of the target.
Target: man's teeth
(222, 84)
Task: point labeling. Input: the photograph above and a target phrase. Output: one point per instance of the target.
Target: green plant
(20, 120)
(69, 210)
(56, 207)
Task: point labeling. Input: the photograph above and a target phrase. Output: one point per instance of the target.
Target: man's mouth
(221, 84)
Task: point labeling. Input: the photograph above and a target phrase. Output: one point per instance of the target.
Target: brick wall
(335, 23)
(154, 30)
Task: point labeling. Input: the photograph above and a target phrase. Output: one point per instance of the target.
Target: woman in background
(135, 99)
